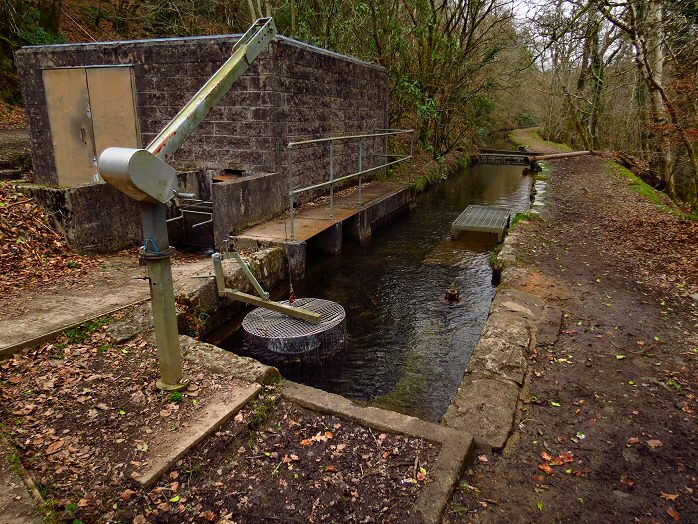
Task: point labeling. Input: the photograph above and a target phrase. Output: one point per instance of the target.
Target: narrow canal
(408, 347)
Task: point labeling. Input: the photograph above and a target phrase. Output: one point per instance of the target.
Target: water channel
(408, 347)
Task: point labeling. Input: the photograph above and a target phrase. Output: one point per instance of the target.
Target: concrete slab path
(53, 311)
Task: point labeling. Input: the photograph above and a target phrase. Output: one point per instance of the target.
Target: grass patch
(83, 331)
(637, 184)
(493, 257)
(521, 217)
(264, 407)
(422, 183)
(530, 138)
(658, 198)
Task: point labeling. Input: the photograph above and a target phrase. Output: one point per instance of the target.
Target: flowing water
(408, 347)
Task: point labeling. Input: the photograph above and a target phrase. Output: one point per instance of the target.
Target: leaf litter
(82, 412)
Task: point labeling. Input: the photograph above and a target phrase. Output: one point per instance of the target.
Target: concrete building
(82, 98)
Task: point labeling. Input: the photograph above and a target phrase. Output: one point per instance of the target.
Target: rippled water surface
(408, 347)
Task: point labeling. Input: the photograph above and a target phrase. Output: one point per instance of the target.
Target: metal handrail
(386, 132)
(332, 181)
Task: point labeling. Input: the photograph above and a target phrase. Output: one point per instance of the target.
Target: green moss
(657, 198)
(636, 183)
(423, 182)
(521, 217)
(493, 257)
(83, 331)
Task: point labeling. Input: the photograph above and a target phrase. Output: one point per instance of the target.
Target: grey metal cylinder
(276, 338)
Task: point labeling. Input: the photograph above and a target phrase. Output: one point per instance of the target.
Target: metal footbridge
(482, 219)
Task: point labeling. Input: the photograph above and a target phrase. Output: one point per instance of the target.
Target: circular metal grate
(270, 335)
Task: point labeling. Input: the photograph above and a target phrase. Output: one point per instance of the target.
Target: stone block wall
(292, 92)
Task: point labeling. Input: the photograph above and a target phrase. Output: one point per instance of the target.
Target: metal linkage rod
(262, 300)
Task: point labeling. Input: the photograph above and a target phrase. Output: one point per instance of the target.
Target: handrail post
(290, 191)
(361, 155)
(412, 148)
(331, 180)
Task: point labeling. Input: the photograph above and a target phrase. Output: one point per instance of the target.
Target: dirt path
(608, 431)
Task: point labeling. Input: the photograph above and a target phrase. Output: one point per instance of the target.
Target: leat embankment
(604, 425)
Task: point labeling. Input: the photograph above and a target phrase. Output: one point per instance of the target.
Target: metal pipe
(346, 177)
(195, 212)
(250, 276)
(361, 155)
(199, 224)
(332, 180)
(156, 252)
(349, 137)
(553, 156)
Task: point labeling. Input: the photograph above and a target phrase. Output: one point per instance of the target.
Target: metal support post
(331, 180)
(218, 272)
(361, 157)
(412, 148)
(290, 191)
(156, 252)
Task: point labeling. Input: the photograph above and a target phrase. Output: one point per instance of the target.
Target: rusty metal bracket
(262, 299)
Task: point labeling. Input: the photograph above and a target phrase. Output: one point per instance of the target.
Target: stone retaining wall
(519, 321)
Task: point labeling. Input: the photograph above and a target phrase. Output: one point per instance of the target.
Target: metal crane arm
(143, 174)
(190, 116)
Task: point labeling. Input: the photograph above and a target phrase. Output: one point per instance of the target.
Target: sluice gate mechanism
(306, 329)
(145, 176)
(276, 338)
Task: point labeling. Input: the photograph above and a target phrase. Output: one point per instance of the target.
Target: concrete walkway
(17, 506)
(313, 220)
(53, 311)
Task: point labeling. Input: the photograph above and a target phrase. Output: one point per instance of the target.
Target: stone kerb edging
(486, 400)
(456, 446)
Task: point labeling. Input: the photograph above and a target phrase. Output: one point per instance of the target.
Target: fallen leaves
(127, 494)
(654, 443)
(669, 496)
(674, 514)
(627, 481)
(55, 447)
(554, 460)
(546, 468)
(32, 253)
(319, 437)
